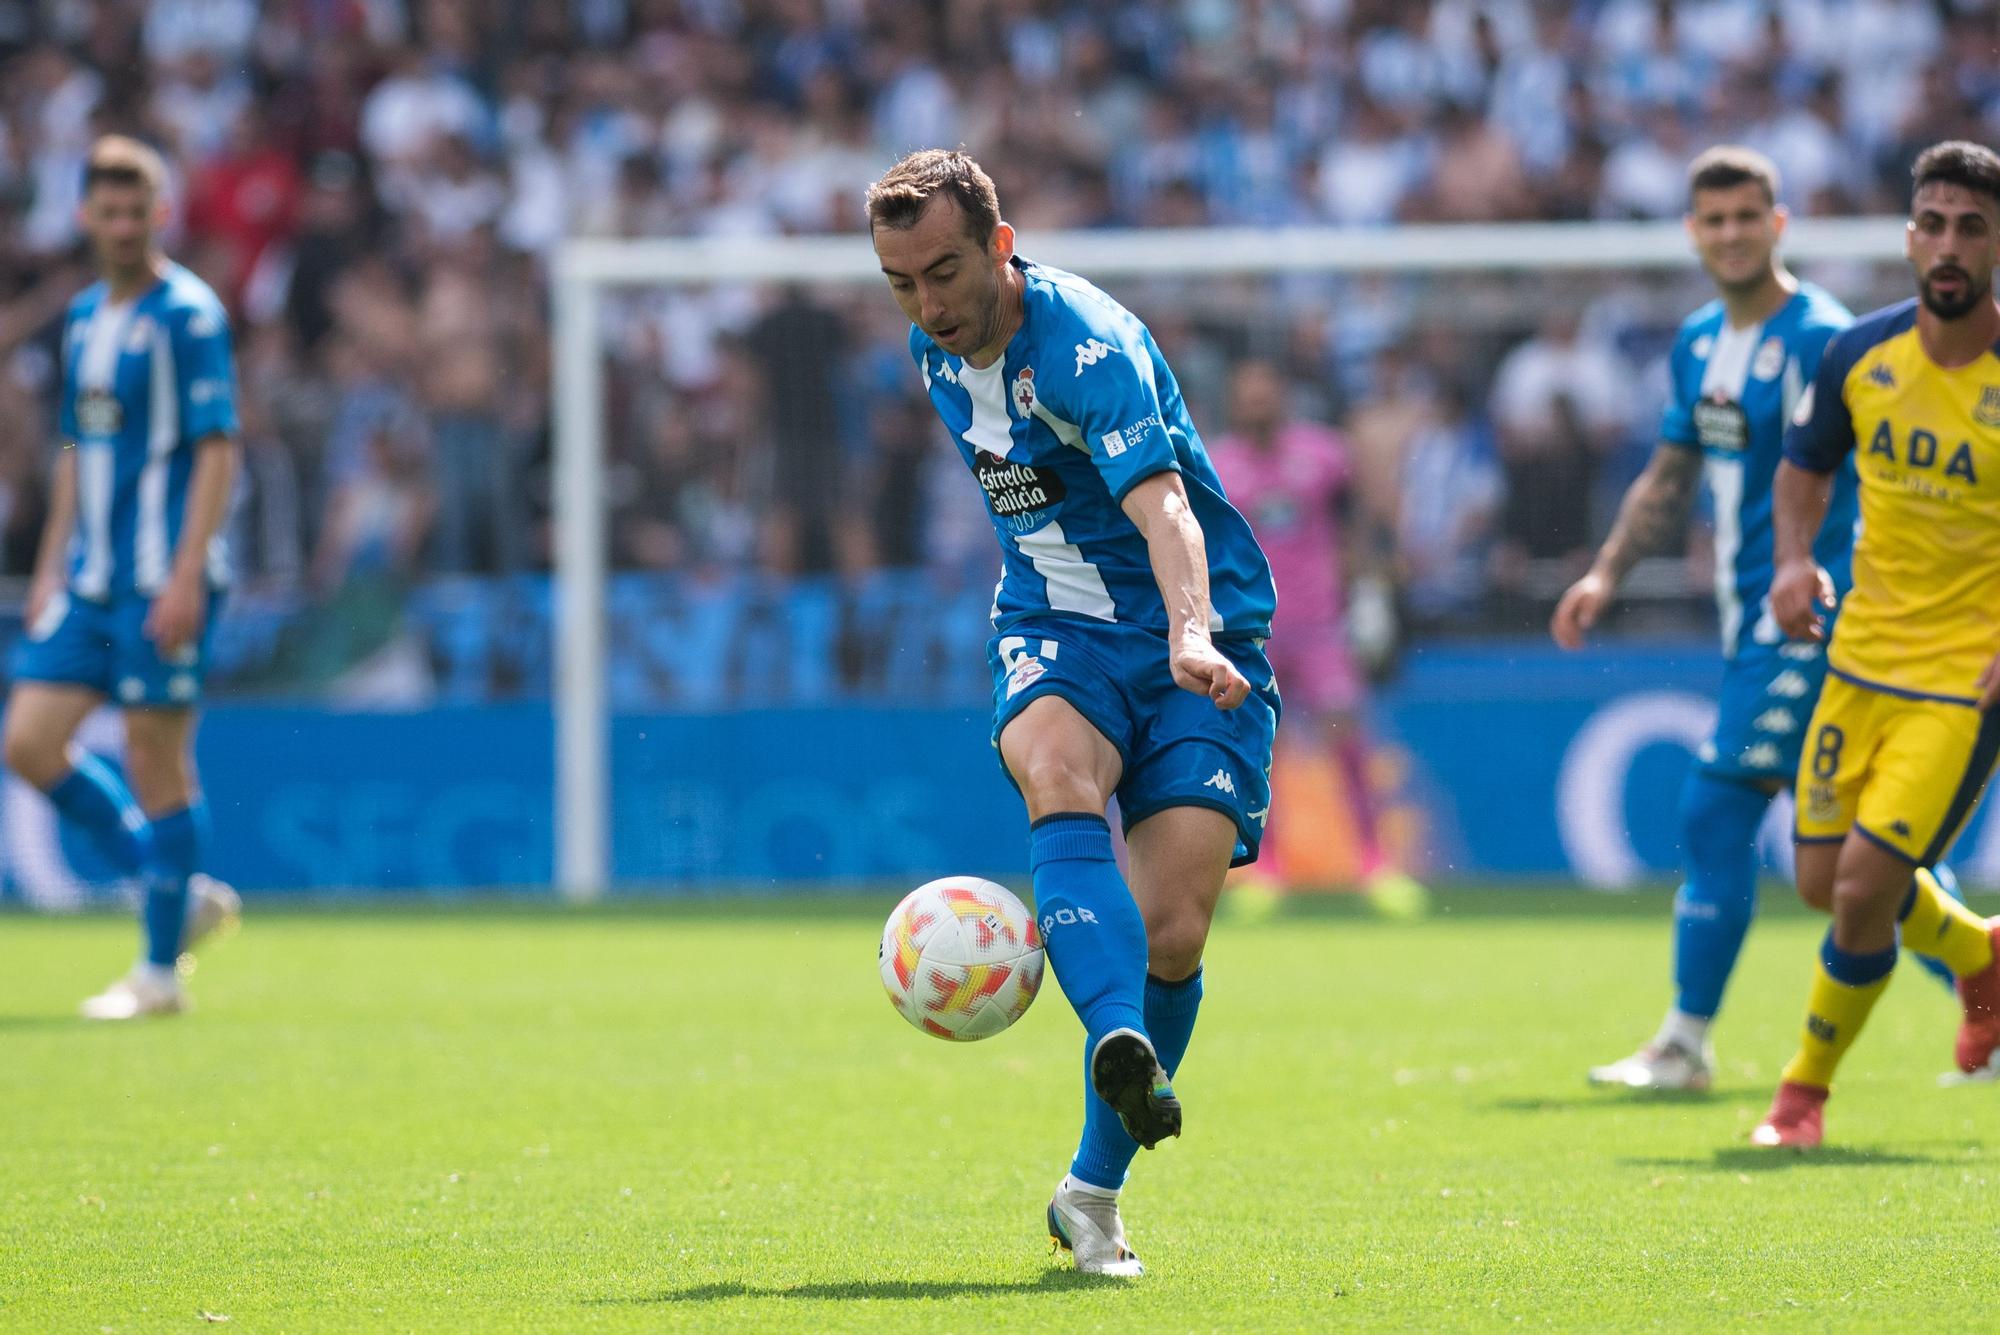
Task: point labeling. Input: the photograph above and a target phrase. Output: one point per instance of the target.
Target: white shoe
(1088, 1228)
(139, 993)
(1663, 1066)
(214, 910)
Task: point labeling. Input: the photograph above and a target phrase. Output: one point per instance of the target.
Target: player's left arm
(1158, 508)
(1114, 396)
(207, 392)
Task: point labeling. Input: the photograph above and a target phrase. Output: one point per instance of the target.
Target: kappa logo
(1024, 391)
(1764, 755)
(140, 336)
(1880, 374)
(1987, 413)
(1090, 354)
(1261, 815)
(1223, 781)
(1790, 685)
(1799, 651)
(946, 374)
(1779, 721)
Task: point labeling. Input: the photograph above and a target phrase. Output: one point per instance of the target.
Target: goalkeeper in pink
(1294, 481)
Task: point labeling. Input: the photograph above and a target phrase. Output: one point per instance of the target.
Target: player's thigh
(1061, 719)
(1815, 866)
(1188, 753)
(1058, 758)
(42, 717)
(159, 756)
(1933, 763)
(1179, 858)
(1835, 762)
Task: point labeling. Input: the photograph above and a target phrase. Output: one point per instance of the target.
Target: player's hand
(1582, 603)
(175, 619)
(39, 592)
(1200, 667)
(1989, 685)
(1799, 593)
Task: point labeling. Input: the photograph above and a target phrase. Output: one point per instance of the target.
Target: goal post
(585, 269)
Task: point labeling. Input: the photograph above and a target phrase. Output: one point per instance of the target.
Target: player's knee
(1855, 898)
(35, 754)
(161, 774)
(1174, 944)
(1053, 781)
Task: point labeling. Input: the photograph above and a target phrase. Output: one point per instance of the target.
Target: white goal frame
(584, 269)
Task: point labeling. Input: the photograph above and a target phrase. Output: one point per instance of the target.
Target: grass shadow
(1623, 1098)
(1756, 1159)
(25, 1022)
(876, 1290)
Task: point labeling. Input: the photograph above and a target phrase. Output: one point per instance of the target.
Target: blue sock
(175, 855)
(1936, 968)
(1712, 913)
(93, 798)
(1853, 970)
(1106, 1151)
(1090, 926)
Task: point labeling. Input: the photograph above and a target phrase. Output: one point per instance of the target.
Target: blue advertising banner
(1507, 761)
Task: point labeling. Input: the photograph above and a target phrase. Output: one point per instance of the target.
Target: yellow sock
(1835, 1013)
(1944, 929)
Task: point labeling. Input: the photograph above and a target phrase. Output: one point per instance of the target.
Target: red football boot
(1979, 993)
(1796, 1120)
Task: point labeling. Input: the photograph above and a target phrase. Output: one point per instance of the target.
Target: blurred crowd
(376, 187)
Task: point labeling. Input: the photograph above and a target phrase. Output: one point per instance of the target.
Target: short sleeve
(1110, 390)
(1677, 418)
(207, 376)
(1821, 433)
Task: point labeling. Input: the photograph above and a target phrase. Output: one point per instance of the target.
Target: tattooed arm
(1653, 514)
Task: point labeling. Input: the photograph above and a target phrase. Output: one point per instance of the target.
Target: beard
(1952, 308)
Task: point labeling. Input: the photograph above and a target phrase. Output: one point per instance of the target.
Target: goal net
(664, 349)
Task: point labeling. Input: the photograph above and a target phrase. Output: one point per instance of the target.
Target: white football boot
(144, 991)
(1661, 1065)
(214, 910)
(1086, 1225)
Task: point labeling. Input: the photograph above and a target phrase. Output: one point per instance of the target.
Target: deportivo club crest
(1024, 391)
(1988, 411)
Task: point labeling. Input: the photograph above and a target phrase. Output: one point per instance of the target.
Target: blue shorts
(103, 647)
(1768, 694)
(1179, 750)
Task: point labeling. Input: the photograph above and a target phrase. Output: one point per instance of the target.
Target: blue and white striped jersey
(1732, 393)
(1080, 409)
(144, 381)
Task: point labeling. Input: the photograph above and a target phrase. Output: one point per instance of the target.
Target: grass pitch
(705, 1117)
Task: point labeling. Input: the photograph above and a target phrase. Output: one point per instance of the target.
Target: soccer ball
(961, 958)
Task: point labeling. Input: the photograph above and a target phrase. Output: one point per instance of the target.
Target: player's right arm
(1820, 437)
(1655, 510)
(1654, 513)
(52, 557)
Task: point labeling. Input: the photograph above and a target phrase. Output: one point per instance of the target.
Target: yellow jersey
(1923, 618)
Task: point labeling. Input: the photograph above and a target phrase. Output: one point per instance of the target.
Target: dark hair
(1959, 162)
(1727, 166)
(906, 190)
(118, 159)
